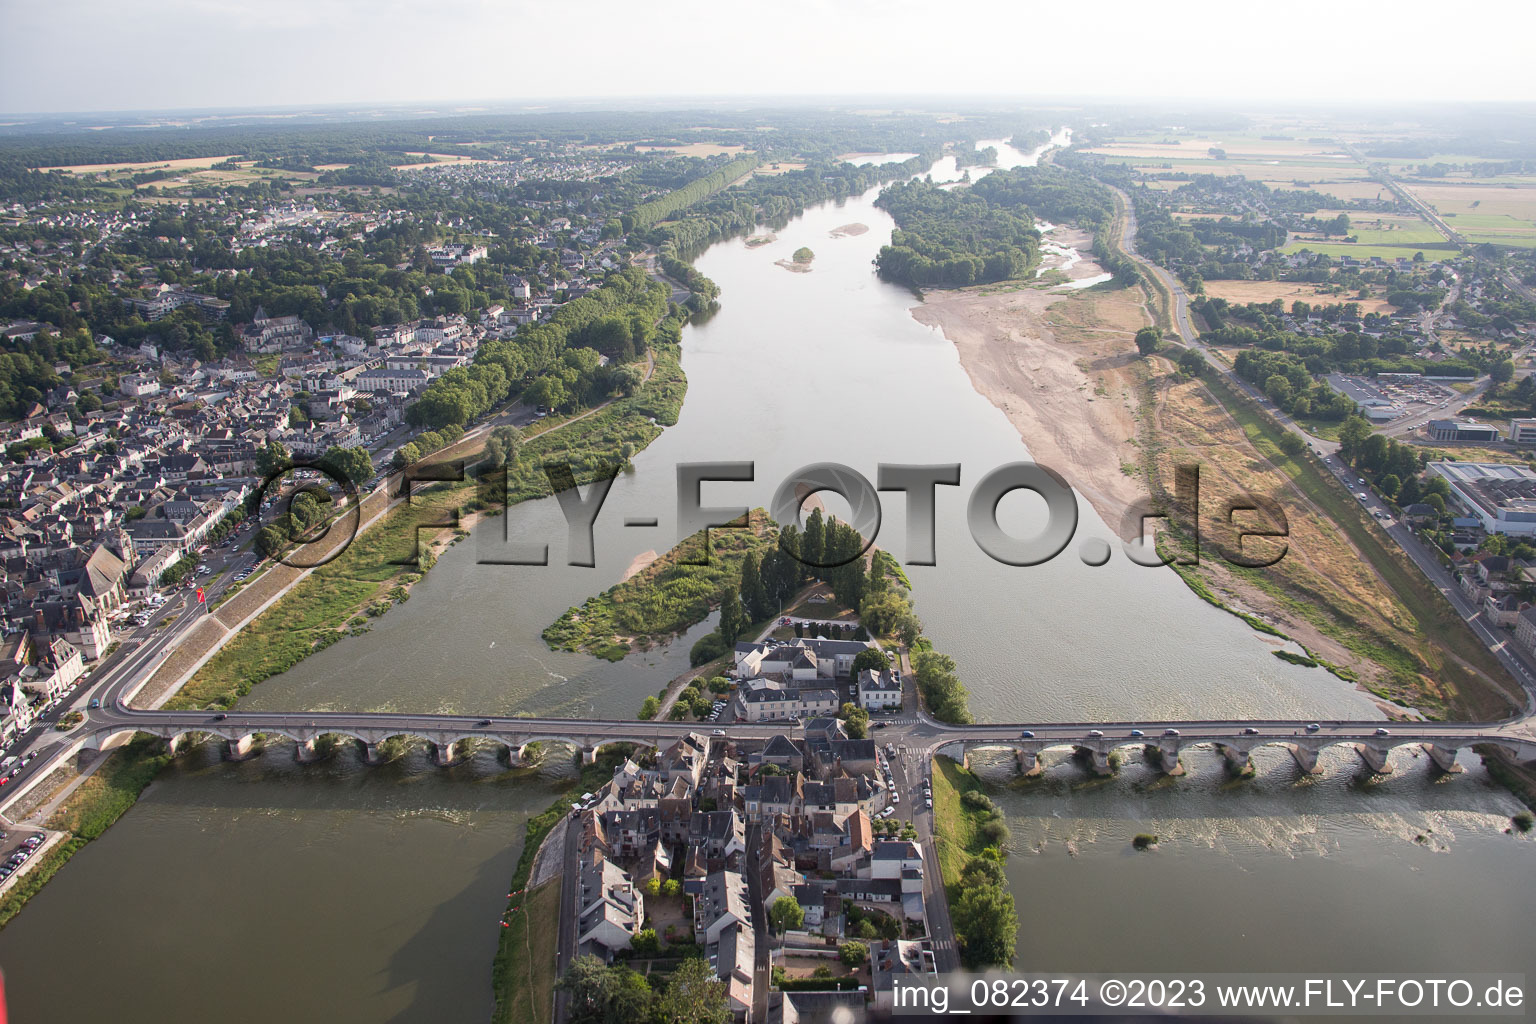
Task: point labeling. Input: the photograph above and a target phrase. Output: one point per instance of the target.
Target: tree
(1191, 363)
(1352, 435)
(754, 596)
(693, 996)
(853, 954)
(856, 721)
(1291, 444)
(501, 447)
(406, 454)
(1502, 372)
(589, 986)
(648, 708)
(351, 464)
(653, 884)
(645, 941)
(1148, 339)
(786, 914)
(270, 540)
(733, 619)
(1389, 485)
(986, 927)
(1279, 390)
(940, 687)
(272, 459)
(869, 658)
(707, 648)
(671, 887)
(813, 545)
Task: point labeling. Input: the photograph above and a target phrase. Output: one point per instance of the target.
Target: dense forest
(954, 237)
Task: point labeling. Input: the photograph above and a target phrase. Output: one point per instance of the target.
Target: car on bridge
(1137, 733)
(1026, 735)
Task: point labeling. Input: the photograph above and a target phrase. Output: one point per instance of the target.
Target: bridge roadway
(115, 723)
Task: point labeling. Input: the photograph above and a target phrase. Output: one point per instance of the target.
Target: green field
(1420, 234)
(1437, 250)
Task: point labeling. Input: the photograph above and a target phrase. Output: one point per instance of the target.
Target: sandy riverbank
(1060, 364)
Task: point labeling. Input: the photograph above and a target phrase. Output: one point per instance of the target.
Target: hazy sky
(77, 55)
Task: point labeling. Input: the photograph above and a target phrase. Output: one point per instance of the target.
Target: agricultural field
(700, 149)
(1432, 251)
(191, 163)
(1288, 292)
(1504, 214)
(778, 167)
(1283, 163)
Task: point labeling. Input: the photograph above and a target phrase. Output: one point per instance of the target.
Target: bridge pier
(305, 751)
(1029, 763)
(1306, 759)
(371, 753)
(174, 744)
(1168, 759)
(1375, 760)
(1237, 758)
(445, 753)
(589, 755)
(240, 748)
(1444, 757)
(1098, 760)
(512, 755)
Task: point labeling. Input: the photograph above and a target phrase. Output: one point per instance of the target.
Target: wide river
(269, 890)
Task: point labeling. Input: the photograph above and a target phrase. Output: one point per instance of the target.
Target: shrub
(1144, 840)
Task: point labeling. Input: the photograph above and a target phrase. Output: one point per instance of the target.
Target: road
(1521, 666)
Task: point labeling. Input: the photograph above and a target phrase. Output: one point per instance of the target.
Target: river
(349, 893)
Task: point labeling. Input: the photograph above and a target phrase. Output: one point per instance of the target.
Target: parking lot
(1408, 398)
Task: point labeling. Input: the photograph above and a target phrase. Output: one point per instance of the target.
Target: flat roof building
(1522, 431)
(1500, 496)
(1461, 430)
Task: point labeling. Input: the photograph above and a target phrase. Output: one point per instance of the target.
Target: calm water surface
(368, 894)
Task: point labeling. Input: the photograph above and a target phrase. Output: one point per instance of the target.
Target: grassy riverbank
(523, 972)
(1429, 658)
(666, 597)
(376, 571)
(972, 843)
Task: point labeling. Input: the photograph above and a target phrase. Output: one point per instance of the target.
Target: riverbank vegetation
(381, 562)
(674, 592)
(88, 812)
(972, 842)
(524, 990)
(954, 237)
(1341, 589)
